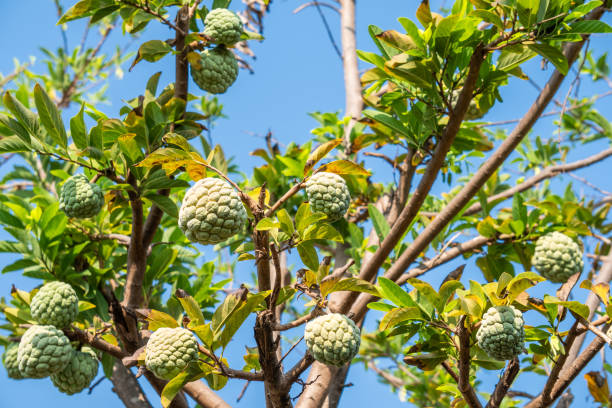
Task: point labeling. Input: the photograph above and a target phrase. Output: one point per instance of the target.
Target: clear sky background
(296, 72)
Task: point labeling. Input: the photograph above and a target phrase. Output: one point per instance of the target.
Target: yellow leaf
(598, 387)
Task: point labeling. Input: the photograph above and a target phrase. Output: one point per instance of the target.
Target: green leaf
(381, 226)
(286, 223)
(159, 319)
(399, 315)
(78, 132)
(520, 283)
(348, 284)
(380, 306)
(250, 35)
(233, 322)
(151, 51)
(427, 291)
(322, 231)
(13, 144)
(509, 59)
(50, 116)
(173, 386)
(575, 306)
(344, 167)
(392, 291)
(390, 122)
(221, 4)
(552, 54)
(308, 255)
(397, 40)
(590, 27)
(84, 8)
(83, 306)
(489, 17)
(266, 224)
(446, 291)
(319, 153)
(191, 307)
(166, 204)
(26, 118)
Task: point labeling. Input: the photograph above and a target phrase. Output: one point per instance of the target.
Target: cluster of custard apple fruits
(217, 68)
(212, 212)
(44, 350)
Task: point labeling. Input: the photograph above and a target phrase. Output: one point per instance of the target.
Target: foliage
(134, 270)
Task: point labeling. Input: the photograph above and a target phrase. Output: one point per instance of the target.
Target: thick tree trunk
(127, 387)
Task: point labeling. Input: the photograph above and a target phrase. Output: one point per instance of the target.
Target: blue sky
(296, 72)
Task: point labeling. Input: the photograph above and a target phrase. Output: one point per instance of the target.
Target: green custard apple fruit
(557, 257)
(218, 70)
(78, 373)
(501, 334)
(9, 359)
(332, 339)
(223, 26)
(43, 350)
(169, 351)
(79, 198)
(56, 303)
(328, 193)
(211, 212)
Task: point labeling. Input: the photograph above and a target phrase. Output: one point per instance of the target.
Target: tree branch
(546, 173)
(127, 387)
(568, 375)
(469, 395)
(148, 10)
(472, 187)
(352, 82)
(502, 387)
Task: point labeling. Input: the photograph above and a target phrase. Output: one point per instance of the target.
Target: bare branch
(352, 82)
(292, 375)
(466, 389)
(313, 3)
(86, 337)
(546, 173)
(298, 322)
(204, 396)
(296, 187)
(502, 387)
(127, 387)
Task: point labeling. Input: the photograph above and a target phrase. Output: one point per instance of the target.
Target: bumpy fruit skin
(332, 339)
(501, 334)
(79, 198)
(328, 193)
(218, 71)
(557, 257)
(169, 351)
(56, 303)
(78, 373)
(9, 359)
(43, 350)
(211, 212)
(609, 332)
(223, 26)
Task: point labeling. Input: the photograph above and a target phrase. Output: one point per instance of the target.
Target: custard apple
(169, 351)
(609, 332)
(79, 373)
(43, 350)
(9, 359)
(218, 70)
(332, 339)
(501, 334)
(79, 198)
(223, 26)
(557, 257)
(56, 303)
(211, 212)
(328, 193)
